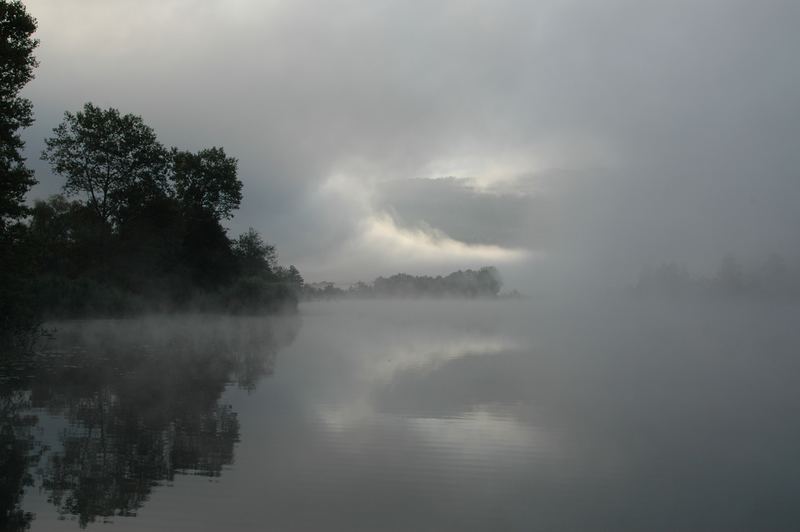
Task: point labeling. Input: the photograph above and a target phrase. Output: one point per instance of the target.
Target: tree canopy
(207, 180)
(16, 70)
(256, 257)
(146, 227)
(113, 160)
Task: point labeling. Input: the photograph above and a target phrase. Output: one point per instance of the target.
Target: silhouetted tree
(291, 276)
(18, 314)
(16, 70)
(145, 231)
(148, 258)
(206, 251)
(488, 281)
(113, 160)
(207, 181)
(256, 257)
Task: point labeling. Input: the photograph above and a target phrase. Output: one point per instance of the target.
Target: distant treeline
(484, 282)
(138, 226)
(774, 278)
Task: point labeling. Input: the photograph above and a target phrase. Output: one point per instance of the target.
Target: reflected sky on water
(423, 415)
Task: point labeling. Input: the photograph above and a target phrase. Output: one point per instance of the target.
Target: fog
(522, 414)
(560, 141)
(629, 167)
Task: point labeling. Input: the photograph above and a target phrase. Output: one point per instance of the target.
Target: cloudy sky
(379, 136)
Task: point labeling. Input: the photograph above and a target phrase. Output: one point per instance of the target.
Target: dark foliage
(16, 70)
(484, 282)
(17, 312)
(207, 181)
(256, 257)
(145, 230)
(115, 161)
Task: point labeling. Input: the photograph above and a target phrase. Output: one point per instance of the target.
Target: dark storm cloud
(674, 124)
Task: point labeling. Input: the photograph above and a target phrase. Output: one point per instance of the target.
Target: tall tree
(16, 69)
(17, 311)
(114, 160)
(208, 191)
(207, 181)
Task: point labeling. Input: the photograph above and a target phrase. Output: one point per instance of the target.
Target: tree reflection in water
(142, 401)
(19, 453)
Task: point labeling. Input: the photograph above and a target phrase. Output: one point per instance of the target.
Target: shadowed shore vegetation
(138, 228)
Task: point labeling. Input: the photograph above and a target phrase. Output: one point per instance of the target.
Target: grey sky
(607, 133)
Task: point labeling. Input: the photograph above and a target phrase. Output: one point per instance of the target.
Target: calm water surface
(496, 415)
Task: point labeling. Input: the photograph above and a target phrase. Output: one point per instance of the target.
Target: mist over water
(622, 413)
(626, 170)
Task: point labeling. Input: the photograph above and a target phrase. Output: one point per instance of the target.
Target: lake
(411, 415)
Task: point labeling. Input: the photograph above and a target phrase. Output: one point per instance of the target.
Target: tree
(256, 257)
(206, 252)
(293, 277)
(207, 181)
(16, 70)
(17, 308)
(52, 234)
(489, 282)
(114, 160)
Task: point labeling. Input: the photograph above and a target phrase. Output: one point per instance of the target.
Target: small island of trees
(484, 282)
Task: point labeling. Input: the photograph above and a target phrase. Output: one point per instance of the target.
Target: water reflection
(416, 416)
(370, 453)
(424, 416)
(141, 401)
(19, 452)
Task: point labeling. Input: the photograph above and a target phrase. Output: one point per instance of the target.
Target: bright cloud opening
(428, 244)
